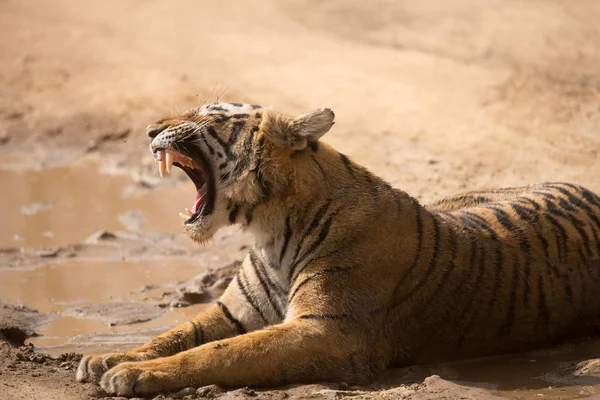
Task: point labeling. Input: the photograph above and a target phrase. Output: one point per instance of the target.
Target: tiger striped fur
(348, 275)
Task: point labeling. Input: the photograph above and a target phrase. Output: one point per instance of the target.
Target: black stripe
(235, 131)
(224, 165)
(313, 225)
(472, 304)
(542, 302)
(249, 212)
(590, 197)
(319, 166)
(286, 239)
(205, 142)
(314, 245)
(533, 203)
(578, 225)
(314, 145)
(419, 226)
(249, 297)
(525, 213)
(316, 275)
(233, 214)
(212, 132)
(504, 219)
(347, 163)
(481, 222)
(255, 262)
(222, 118)
(198, 334)
(236, 324)
(499, 263)
(395, 195)
(240, 116)
(324, 316)
(561, 238)
(509, 320)
(526, 251)
(430, 267)
(236, 104)
(453, 245)
(596, 239)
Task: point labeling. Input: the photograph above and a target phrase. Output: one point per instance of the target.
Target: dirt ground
(437, 97)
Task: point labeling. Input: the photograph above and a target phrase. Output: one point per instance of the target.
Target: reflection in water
(62, 205)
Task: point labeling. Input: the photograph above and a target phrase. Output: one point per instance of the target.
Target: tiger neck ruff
(348, 275)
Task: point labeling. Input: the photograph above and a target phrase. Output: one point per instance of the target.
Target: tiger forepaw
(91, 368)
(135, 379)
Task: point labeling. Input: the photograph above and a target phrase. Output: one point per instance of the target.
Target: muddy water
(533, 375)
(63, 289)
(61, 205)
(64, 205)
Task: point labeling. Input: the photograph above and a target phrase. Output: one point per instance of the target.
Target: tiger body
(348, 275)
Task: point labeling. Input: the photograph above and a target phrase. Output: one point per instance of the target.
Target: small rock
(183, 392)
(247, 391)
(343, 386)
(209, 392)
(99, 236)
(48, 252)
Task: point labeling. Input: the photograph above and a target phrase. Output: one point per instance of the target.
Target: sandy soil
(436, 96)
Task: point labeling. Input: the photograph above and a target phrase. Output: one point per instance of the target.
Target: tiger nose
(154, 130)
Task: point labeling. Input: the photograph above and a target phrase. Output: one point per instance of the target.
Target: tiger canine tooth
(185, 217)
(162, 166)
(169, 158)
(189, 212)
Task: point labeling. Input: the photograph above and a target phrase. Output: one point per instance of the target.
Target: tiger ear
(296, 133)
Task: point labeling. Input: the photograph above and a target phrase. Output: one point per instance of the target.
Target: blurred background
(436, 96)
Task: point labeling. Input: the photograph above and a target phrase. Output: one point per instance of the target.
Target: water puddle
(93, 298)
(73, 283)
(65, 204)
(97, 302)
(535, 375)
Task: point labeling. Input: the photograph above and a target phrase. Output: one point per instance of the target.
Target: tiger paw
(91, 368)
(136, 379)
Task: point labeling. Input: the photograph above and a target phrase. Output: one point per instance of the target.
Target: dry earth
(436, 96)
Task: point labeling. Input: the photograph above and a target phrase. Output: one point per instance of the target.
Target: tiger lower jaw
(198, 172)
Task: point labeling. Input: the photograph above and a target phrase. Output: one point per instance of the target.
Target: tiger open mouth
(197, 170)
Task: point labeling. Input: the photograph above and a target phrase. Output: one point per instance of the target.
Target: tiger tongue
(200, 194)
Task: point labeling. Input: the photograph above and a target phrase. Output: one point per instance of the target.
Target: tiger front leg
(303, 350)
(208, 326)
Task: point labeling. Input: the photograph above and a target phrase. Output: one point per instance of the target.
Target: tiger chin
(348, 275)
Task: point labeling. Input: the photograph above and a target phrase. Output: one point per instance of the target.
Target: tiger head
(239, 156)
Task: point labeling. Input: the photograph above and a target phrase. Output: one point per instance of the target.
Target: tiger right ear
(296, 133)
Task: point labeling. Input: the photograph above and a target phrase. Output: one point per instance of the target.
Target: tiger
(347, 275)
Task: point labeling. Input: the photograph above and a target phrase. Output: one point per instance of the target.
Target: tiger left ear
(296, 133)
(315, 124)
